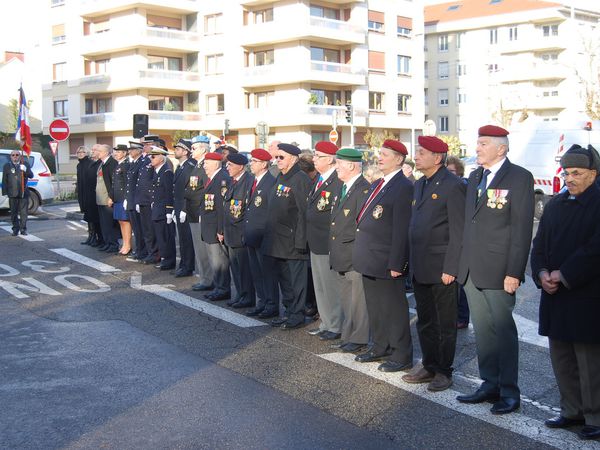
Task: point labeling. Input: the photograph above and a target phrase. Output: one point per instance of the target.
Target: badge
(258, 201)
(282, 191)
(414, 202)
(235, 208)
(434, 196)
(497, 198)
(346, 212)
(223, 188)
(378, 212)
(209, 202)
(193, 182)
(323, 201)
(12, 170)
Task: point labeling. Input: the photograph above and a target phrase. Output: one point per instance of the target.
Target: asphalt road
(98, 352)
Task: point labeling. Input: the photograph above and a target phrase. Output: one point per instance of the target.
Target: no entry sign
(59, 130)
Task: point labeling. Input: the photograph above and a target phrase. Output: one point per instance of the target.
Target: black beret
(237, 158)
(289, 148)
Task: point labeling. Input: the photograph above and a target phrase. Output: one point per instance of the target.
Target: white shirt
(350, 182)
(389, 176)
(493, 170)
(156, 169)
(325, 176)
(260, 177)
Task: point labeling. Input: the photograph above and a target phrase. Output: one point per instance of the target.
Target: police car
(40, 186)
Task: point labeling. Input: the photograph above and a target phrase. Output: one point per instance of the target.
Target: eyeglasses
(280, 157)
(152, 156)
(574, 174)
(321, 156)
(14, 154)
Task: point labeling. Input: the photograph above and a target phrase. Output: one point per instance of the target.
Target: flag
(23, 133)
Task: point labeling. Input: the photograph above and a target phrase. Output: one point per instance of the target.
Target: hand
(395, 274)
(110, 202)
(137, 208)
(555, 276)
(511, 284)
(182, 216)
(548, 284)
(169, 218)
(23, 168)
(220, 237)
(125, 205)
(447, 279)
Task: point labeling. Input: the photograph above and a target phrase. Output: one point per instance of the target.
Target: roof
(468, 9)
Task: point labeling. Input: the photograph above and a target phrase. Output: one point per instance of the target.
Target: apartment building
(507, 62)
(215, 66)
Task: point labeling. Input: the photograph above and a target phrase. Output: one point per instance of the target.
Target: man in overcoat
(15, 174)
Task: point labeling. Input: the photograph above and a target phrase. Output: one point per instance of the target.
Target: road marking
(27, 237)
(71, 228)
(191, 302)
(515, 422)
(100, 267)
(70, 208)
(77, 224)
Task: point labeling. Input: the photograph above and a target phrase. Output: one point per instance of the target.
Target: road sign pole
(57, 170)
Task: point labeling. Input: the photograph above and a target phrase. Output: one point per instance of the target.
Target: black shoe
(183, 273)
(103, 247)
(96, 243)
(563, 422)
(337, 346)
(243, 304)
(148, 261)
(268, 314)
(218, 296)
(370, 356)
(165, 267)
(112, 249)
(505, 405)
(23, 232)
(15, 233)
(589, 432)
(233, 301)
(87, 241)
(315, 331)
(479, 396)
(291, 325)
(202, 287)
(254, 312)
(278, 321)
(329, 336)
(394, 366)
(311, 311)
(351, 347)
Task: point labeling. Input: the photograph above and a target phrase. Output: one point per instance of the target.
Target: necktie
(344, 189)
(482, 184)
(319, 183)
(370, 199)
(253, 188)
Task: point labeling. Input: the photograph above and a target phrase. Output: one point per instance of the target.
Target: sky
(20, 23)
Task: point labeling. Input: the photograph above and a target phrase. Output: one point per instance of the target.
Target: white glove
(169, 218)
(137, 208)
(23, 168)
(182, 216)
(125, 205)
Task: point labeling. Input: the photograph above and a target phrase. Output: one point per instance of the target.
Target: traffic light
(226, 128)
(349, 112)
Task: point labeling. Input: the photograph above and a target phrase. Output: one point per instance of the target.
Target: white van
(40, 186)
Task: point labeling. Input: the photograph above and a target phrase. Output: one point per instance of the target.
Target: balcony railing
(332, 24)
(331, 67)
(174, 115)
(171, 75)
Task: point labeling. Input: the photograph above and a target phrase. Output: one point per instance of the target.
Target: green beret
(349, 154)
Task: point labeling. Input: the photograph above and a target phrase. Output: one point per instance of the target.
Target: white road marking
(27, 237)
(70, 208)
(191, 302)
(100, 267)
(77, 224)
(71, 228)
(515, 422)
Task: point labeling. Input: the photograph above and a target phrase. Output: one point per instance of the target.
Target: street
(99, 352)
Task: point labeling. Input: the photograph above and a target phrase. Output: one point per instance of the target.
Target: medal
(209, 202)
(193, 182)
(323, 201)
(434, 196)
(378, 212)
(258, 201)
(346, 212)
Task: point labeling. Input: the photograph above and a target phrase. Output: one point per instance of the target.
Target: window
(443, 43)
(443, 124)
(89, 106)
(492, 68)
(443, 97)
(443, 70)
(404, 103)
(461, 96)
(325, 13)
(264, 15)
(97, 67)
(58, 34)
(54, 3)
(317, 136)
(212, 24)
(214, 64)
(165, 23)
(376, 21)
(376, 101)
(426, 69)
(494, 36)
(58, 71)
(550, 93)
(256, 100)
(324, 54)
(264, 58)
(512, 33)
(461, 69)
(403, 65)
(164, 63)
(426, 96)
(458, 126)
(165, 103)
(550, 30)
(61, 108)
(404, 25)
(325, 97)
(549, 56)
(103, 105)
(376, 61)
(215, 103)
(459, 39)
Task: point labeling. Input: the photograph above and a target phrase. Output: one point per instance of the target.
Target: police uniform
(181, 180)
(143, 199)
(14, 186)
(130, 191)
(162, 205)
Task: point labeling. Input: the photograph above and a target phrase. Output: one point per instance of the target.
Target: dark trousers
(291, 275)
(576, 367)
(463, 305)
(436, 310)
(148, 232)
(108, 226)
(242, 277)
(165, 240)
(136, 224)
(388, 317)
(265, 285)
(18, 213)
(186, 247)
(496, 339)
(218, 257)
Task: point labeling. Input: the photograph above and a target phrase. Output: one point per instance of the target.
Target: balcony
(122, 80)
(533, 42)
(549, 102)
(317, 72)
(534, 72)
(126, 39)
(315, 29)
(94, 8)
(267, 2)
(158, 120)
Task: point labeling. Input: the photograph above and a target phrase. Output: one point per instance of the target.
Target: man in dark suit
(496, 240)
(347, 202)
(181, 180)
(162, 208)
(233, 230)
(265, 285)
(435, 235)
(212, 216)
(284, 242)
(137, 161)
(381, 256)
(104, 200)
(318, 220)
(565, 264)
(14, 185)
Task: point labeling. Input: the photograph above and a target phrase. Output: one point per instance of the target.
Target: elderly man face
(273, 149)
(102, 151)
(323, 161)
(258, 166)
(211, 166)
(389, 160)
(285, 160)
(578, 179)
(490, 150)
(346, 169)
(157, 160)
(198, 150)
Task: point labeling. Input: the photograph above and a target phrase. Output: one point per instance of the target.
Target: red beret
(397, 146)
(326, 147)
(213, 156)
(261, 153)
(492, 130)
(433, 144)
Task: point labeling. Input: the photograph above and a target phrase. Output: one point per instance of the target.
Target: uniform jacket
(180, 182)
(162, 193)
(108, 173)
(343, 224)
(496, 240)
(14, 180)
(194, 192)
(436, 226)
(381, 241)
(133, 172)
(568, 239)
(285, 233)
(145, 183)
(256, 211)
(234, 210)
(318, 213)
(211, 207)
(119, 182)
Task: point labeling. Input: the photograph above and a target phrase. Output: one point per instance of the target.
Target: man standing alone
(14, 185)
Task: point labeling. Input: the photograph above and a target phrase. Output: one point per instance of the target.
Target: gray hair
(500, 140)
(106, 148)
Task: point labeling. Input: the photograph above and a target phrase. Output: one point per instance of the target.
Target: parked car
(40, 186)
